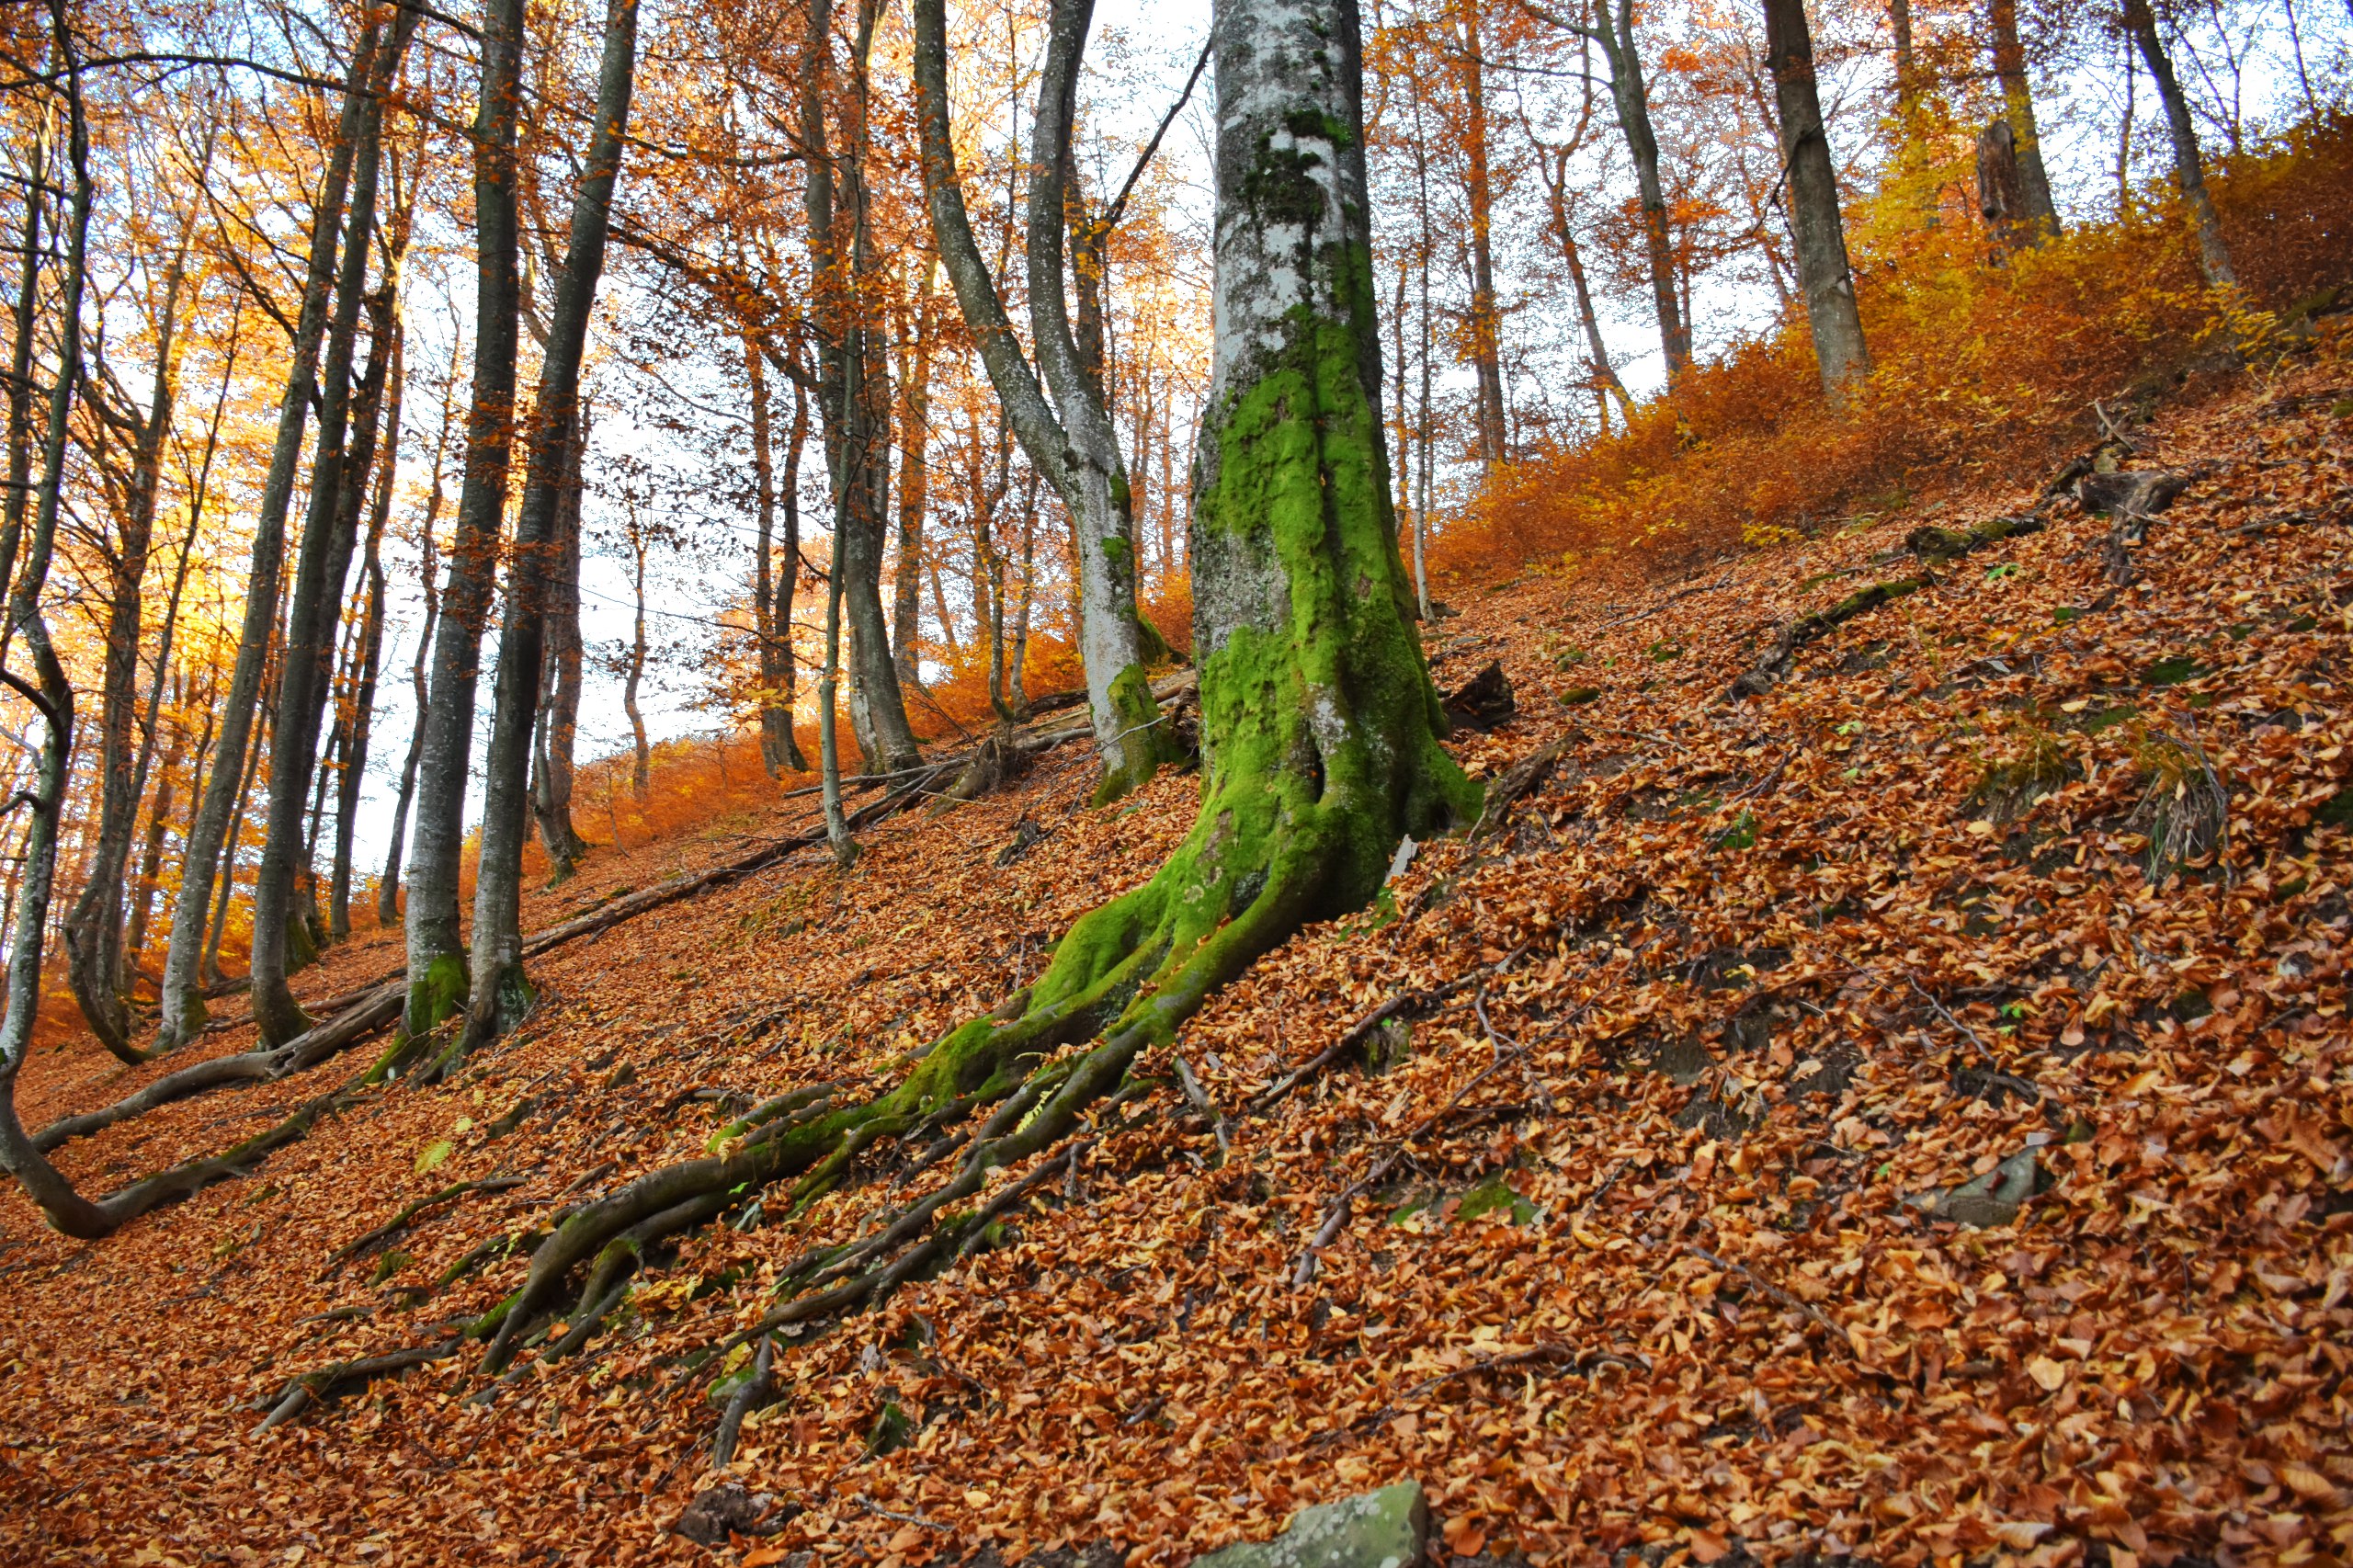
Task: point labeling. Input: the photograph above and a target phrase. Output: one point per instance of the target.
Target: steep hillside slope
(1612, 1176)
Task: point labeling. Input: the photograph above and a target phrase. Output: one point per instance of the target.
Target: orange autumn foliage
(1980, 373)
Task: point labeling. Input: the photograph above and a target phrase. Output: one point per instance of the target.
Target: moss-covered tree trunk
(1321, 730)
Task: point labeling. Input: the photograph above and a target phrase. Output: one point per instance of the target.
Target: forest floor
(1652, 1243)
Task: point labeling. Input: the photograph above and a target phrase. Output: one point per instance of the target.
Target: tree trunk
(501, 994)
(150, 857)
(355, 726)
(436, 964)
(338, 489)
(1605, 374)
(641, 778)
(1320, 726)
(559, 726)
(1821, 234)
(227, 880)
(772, 620)
(25, 322)
(857, 428)
(1629, 94)
(93, 929)
(1908, 68)
(65, 1208)
(183, 1015)
(1486, 352)
(914, 484)
(1079, 452)
(788, 584)
(2038, 211)
(2189, 168)
(388, 891)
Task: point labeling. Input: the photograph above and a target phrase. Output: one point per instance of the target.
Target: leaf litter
(1906, 1111)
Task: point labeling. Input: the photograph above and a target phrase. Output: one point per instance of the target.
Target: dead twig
(1202, 1103)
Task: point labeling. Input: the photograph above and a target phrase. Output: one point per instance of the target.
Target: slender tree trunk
(1821, 234)
(436, 964)
(1629, 94)
(150, 858)
(858, 426)
(501, 994)
(1605, 374)
(1907, 66)
(2040, 213)
(25, 322)
(559, 724)
(200, 491)
(242, 808)
(183, 1008)
(92, 930)
(640, 777)
(1078, 451)
(1486, 353)
(338, 489)
(914, 484)
(2189, 168)
(53, 693)
(787, 585)
(772, 635)
(388, 891)
(1016, 661)
(355, 727)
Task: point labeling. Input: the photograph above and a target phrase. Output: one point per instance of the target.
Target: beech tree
(2189, 167)
(183, 1012)
(1073, 442)
(1832, 316)
(1320, 728)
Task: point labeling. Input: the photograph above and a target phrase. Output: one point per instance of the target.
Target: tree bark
(1908, 68)
(355, 724)
(52, 694)
(1831, 313)
(183, 1015)
(501, 994)
(150, 857)
(915, 482)
(641, 778)
(848, 357)
(772, 601)
(1487, 352)
(436, 964)
(338, 487)
(388, 891)
(1629, 94)
(2039, 214)
(559, 725)
(1078, 452)
(92, 930)
(25, 322)
(2189, 167)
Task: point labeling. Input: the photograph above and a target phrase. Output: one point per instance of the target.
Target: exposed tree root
(329, 1383)
(372, 1012)
(1774, 668)
(757, 1391)
(407, 1217)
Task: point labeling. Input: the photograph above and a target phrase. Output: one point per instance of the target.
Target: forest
(1019, 783)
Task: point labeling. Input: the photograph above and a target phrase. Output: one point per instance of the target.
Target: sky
(1139, 56)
